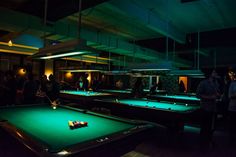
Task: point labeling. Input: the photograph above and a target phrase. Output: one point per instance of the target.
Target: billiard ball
(186, 104)
(76, 124)
(169, 108)
(82, 124)
(85, 123)
(71, 125)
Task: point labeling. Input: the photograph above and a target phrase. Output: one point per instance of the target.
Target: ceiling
(131, 30)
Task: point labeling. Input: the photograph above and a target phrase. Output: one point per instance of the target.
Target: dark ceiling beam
(10, 36)
(150, 19)
(56, 9)
(69, 7)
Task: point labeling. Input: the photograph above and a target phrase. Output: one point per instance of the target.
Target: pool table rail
(39, 148)
(146, 107)
(168, 117)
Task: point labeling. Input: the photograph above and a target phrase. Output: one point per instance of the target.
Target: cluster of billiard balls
(77, 124)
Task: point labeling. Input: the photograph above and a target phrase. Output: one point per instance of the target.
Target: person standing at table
(42, 89)
(181, 87)
(153, 89)
(85, 82)
(137, 90)
(52, 88)
(95, 84)
(9, 89)
(208, 92)
(225, 97)
(232, 106)
(119, 84)
(29, 90)
(79, 84)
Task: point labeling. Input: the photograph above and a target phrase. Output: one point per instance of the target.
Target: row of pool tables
(45, 131)
(101, 93)
(90, 95)
(167, 111)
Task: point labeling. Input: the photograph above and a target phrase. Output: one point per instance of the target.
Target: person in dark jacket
(181, 87)
(85, 83)
(29, 90)
(208, 92)
(52, 88)
(137, 90)
(9, 89)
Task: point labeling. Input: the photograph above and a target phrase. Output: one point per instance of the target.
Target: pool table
(172, 115)
(189, 99)
(82, 96)
(46, 132)
(127, 92)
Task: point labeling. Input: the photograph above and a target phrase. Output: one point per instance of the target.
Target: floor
(186, 144)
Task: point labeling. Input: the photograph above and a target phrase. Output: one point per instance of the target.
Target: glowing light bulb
(9, 43)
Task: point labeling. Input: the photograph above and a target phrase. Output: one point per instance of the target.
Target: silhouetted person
(95, 84)
(232, 107)
(225, 97)
(119, 84)
(29, 90)
(181, 87)
(42, 89)
(53, 88)
(137, 90)
(79, 84)
(208, 91)
(85, 82)
(1, 86)
(43, 83)
(9, 89)
(153, 89)
(159, 84)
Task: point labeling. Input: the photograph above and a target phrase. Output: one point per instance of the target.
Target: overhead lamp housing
(191, 73)
(161, 66)
(65, 49)
(116, 72)
(82, 69)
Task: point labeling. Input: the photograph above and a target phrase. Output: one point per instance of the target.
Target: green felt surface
(117, 91)
(181, 97)
(128, 91)
(157, 105)
(50, 127)
(83, 93)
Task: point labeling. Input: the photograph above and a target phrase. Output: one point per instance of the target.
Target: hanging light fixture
(152, 67)
(191, 73)
(65, 49)
(68, 48)
(196, 73)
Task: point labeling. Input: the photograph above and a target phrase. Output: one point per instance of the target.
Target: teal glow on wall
(29, 40)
